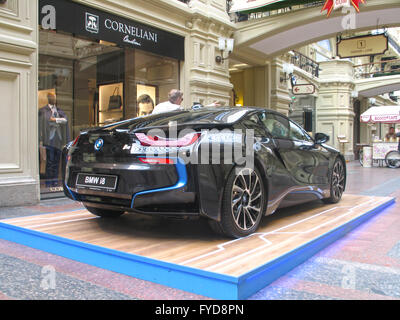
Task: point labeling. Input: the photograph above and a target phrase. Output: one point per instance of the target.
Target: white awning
(384, 114)
(246, 5)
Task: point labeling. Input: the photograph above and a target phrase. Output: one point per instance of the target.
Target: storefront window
(86, 83)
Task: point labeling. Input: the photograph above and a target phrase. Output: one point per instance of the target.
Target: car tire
(243, 204)
(337, 182)
(104, 213)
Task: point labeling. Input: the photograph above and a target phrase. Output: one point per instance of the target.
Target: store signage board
(67, 16)
(246, 5)
(331, 5)
(382, 114)
(303, 89)
(387, 118)
(363, 46)
(254, 5)
(384, 118)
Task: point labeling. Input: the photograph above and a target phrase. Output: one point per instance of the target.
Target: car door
(306, 162)
(264, 147)
(315, 159)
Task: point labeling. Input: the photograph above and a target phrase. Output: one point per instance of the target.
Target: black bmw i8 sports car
(229, 165)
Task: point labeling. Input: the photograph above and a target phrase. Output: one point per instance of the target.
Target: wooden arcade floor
(192, 244)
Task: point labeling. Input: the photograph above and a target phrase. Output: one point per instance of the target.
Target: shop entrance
(91, 83)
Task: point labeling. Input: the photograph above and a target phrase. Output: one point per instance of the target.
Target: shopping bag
(115, 100)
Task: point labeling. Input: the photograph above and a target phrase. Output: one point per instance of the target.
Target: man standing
(175, 98)
(391, 135)
(53, 135)
(398, 136)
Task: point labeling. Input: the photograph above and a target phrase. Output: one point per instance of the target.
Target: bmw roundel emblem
(98, 144)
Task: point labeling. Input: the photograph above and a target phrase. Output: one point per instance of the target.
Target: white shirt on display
(166, 107)
(55, 114)
(53, 110)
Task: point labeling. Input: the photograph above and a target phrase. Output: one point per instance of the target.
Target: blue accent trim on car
(71, 192)
(182, 181)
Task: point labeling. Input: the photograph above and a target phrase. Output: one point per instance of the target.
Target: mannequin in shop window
(53, 135)
(145, 105)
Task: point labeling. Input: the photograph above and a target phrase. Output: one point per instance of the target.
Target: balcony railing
(388, 66)
(377, 69)
(305, 63)
(238, 17)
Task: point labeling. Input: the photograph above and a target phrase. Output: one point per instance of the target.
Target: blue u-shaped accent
(70, 192)
(182, 181)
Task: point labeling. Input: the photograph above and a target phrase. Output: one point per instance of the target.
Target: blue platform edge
(210, 284)
(264, 275)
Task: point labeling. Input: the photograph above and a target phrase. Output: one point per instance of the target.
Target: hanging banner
(331, 5)
(247, 5)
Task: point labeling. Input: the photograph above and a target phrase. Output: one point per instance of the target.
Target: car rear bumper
(143, 188)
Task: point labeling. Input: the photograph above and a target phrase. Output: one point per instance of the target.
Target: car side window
(276, 125)
(300, 132)
(253, 122)
(308, 137)
(296, 133)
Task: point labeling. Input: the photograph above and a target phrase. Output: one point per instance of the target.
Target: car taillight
(75, 141)
(185, 141)
(156, 160)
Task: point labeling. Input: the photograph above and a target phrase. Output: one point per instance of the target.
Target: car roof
(203, 116)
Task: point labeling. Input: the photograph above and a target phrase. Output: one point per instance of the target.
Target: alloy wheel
(247, 197)
(338, 179)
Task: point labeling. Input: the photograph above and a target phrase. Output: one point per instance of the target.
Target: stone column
(19, 172)
(365, 129)
(256, 87)
(335, 115)
(280, 97)
(205, 80)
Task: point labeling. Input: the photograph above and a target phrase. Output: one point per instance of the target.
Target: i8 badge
(92, 23)
(98, 144)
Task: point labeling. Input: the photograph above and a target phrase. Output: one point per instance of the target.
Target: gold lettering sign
(362, 46)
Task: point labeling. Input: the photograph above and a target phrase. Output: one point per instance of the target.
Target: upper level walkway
(263, 38)
(372, 87)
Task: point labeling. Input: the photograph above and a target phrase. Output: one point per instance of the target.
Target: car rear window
(205, 116)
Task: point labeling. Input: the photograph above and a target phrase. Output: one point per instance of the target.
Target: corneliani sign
(129, 30)
(81, 20)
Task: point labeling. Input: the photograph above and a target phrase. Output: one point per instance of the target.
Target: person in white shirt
(175, 98)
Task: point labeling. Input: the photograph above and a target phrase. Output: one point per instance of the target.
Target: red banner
(334, 4)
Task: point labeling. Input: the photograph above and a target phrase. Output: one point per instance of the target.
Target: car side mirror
(321, 138)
